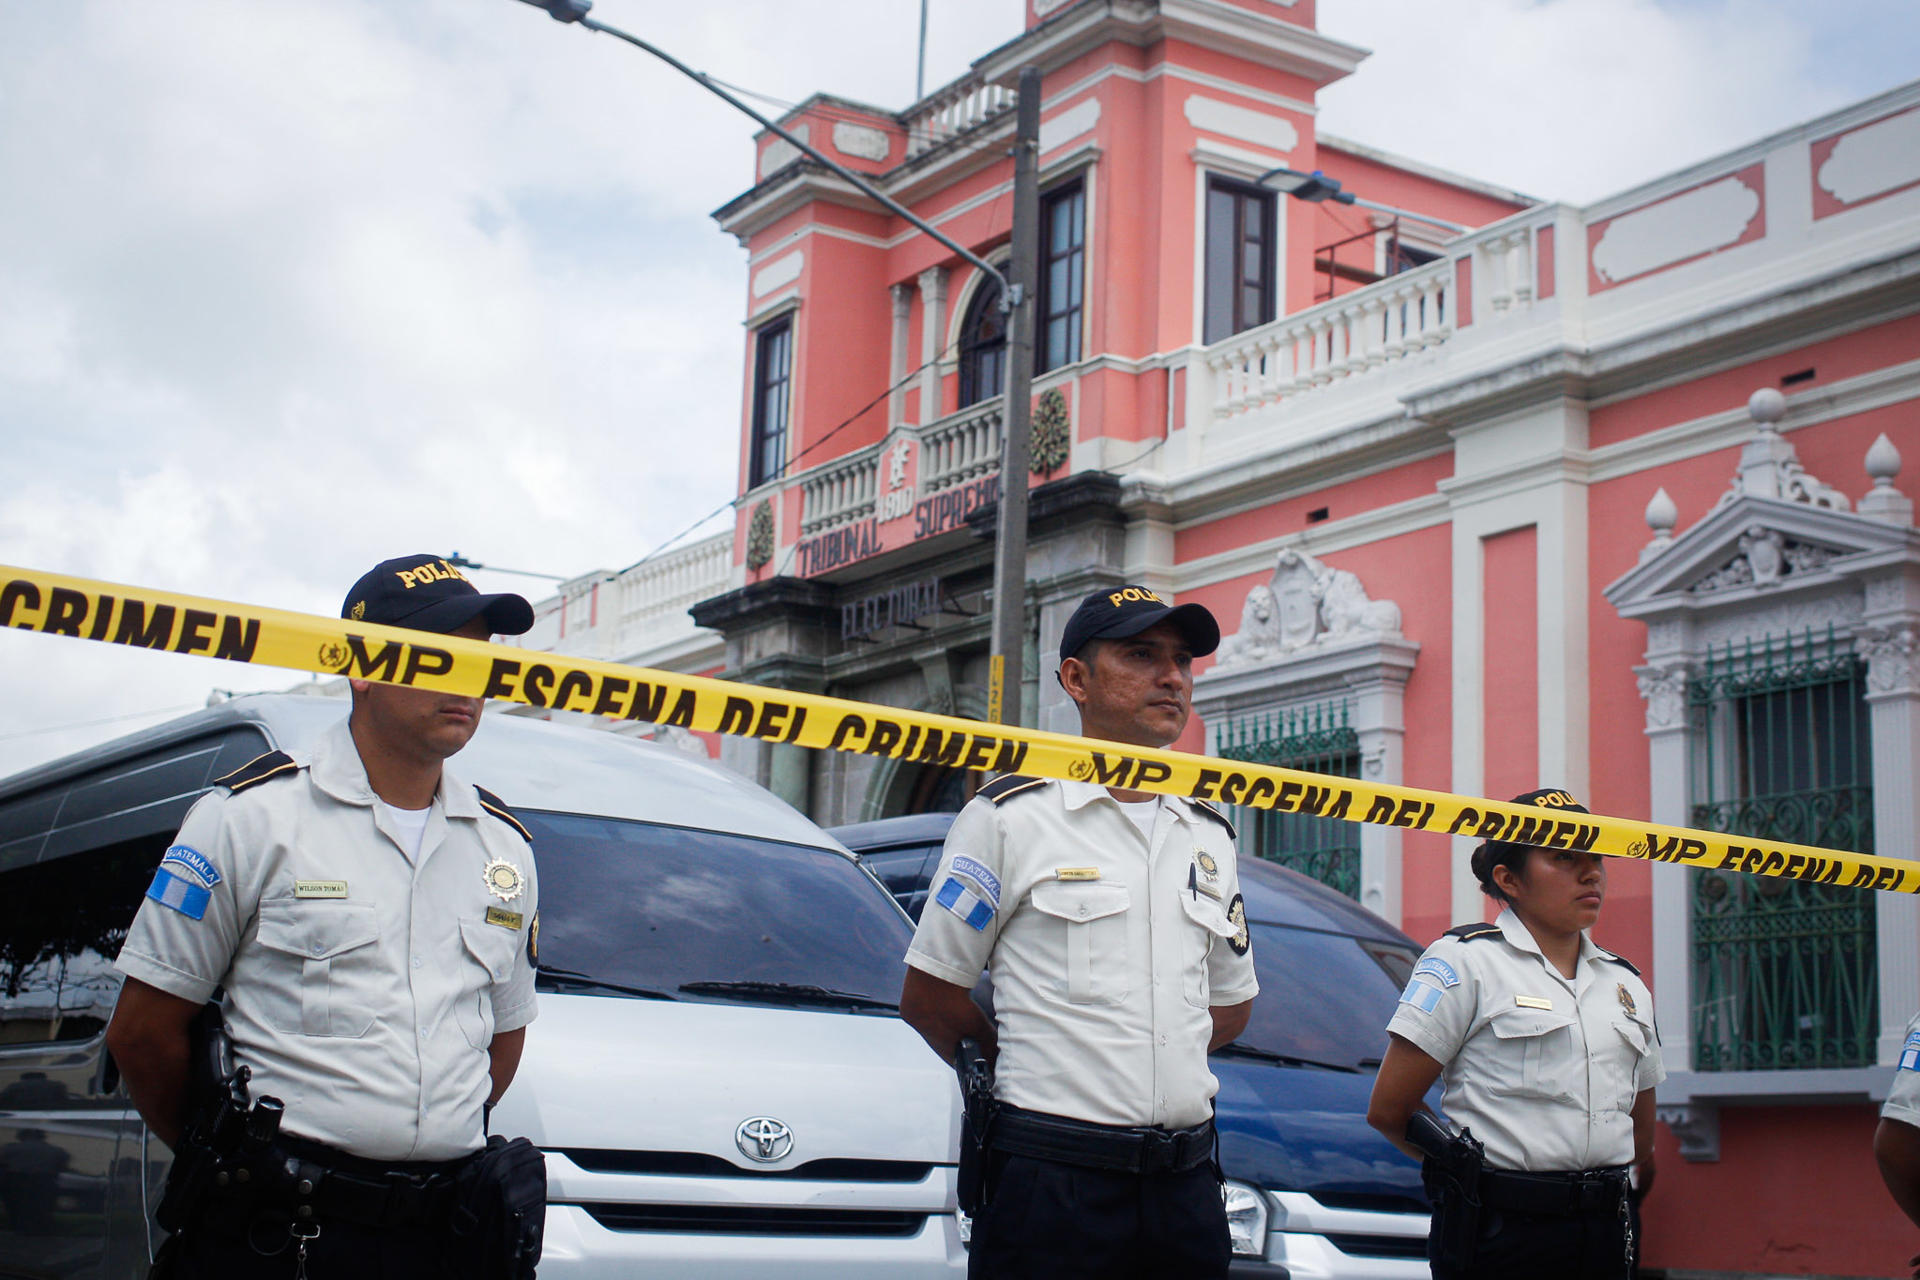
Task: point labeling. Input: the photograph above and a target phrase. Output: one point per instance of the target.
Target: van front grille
(754, 1220)
(1380, 1246)
(1371, 1202)
(695, 1164)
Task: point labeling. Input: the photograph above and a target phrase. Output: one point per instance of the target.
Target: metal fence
(1785, 973)
(1320, 739)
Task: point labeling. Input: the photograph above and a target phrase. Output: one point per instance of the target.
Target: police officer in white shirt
(1896, 1143)
(1113, 926)
(1546, 1047)
(371, 920)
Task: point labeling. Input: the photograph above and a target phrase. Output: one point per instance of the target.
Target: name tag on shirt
(1533, 1002)
(319, 888)
(504, 918)
(1076, 873)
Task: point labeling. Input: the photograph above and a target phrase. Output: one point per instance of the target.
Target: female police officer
(1546, 1045)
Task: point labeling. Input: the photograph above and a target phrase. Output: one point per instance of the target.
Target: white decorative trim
(861, 140)
(1891, 667)
(1665, 691)
(1240, 162)
(1874, 159)
(1063, 128)
(1214, 116)
(1673, 230)
(782, 271)
(780, 153)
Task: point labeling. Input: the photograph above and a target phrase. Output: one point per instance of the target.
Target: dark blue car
(1312, 1192)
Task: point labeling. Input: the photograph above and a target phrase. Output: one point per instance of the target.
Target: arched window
(983, 346)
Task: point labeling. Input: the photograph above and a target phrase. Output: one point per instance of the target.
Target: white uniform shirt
(1108, 949)
(1903, 1099)
(362, 988)
(1544, 1069)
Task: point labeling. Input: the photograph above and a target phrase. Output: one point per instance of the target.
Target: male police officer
(369, 918)
(1113, 926)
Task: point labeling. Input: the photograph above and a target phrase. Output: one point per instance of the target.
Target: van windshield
(654, 912)
(1324, 998)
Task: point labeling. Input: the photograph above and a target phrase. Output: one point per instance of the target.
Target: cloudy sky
(287, 286)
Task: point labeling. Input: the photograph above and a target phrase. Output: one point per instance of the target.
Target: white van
(718, 1075)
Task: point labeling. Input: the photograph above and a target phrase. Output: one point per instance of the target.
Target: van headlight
(1246, 1219)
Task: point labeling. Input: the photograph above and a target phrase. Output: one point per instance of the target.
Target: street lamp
(1317, 188)
(1016, 300)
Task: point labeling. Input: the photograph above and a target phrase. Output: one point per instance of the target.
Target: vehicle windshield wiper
(564, 980)
(1238, 1050)
(787, 993)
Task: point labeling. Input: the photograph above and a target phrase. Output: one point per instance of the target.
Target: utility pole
(1010, 546)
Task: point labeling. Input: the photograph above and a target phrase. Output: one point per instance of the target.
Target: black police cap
(1127, 610)
(425, 593)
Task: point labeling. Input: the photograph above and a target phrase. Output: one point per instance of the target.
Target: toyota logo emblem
(764, 1139)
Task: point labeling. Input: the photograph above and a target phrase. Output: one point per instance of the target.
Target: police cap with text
(428, 593)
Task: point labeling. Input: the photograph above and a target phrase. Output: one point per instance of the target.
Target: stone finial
(1769, 467)
(1766, 407)
(1662, 515)
(1883, 501)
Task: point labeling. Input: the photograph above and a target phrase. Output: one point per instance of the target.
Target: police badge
(504, 880)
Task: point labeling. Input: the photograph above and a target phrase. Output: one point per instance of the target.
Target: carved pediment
(1751, 546)
(1775, 530)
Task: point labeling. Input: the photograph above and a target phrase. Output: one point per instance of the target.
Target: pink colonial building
(1604, 497)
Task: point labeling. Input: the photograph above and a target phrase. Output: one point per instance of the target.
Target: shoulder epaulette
(1468, 932)
(1622, 961)
(1007, 786)
(494, 805)
(258, 769)
(1217, 816)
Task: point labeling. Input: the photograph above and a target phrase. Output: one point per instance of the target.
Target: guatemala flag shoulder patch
(970, 906)
(1910, 1053)
(179, 893)
(1423, 996)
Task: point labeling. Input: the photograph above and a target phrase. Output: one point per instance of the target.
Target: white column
(897, 365)
(1893, 700)
(1378, 712)
(1665, 689)
(933, 332)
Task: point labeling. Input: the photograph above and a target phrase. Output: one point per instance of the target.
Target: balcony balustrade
(952, 110)
(840, 492)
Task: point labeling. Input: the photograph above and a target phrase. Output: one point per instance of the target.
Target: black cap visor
(1196, 623)
(506, 615)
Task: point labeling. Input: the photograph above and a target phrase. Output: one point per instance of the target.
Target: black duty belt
(1586, 1194)
(1118, 1148)
(308, 1179)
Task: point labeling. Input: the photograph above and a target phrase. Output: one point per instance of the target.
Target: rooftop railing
(952, 110)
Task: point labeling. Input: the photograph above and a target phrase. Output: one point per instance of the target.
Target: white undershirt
(411, 824)
(1142, 812)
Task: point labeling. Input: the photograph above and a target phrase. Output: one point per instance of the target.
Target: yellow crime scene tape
(87, 610)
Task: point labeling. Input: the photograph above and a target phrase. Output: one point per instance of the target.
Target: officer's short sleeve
(1652, 1069)
(188, 927)
(1230, 976)
(1436, 1010)
(964, 910)
(514, 1002)
(1903, 1098)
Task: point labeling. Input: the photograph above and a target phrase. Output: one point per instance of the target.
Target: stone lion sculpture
(1346, 610)
(1259, 634)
